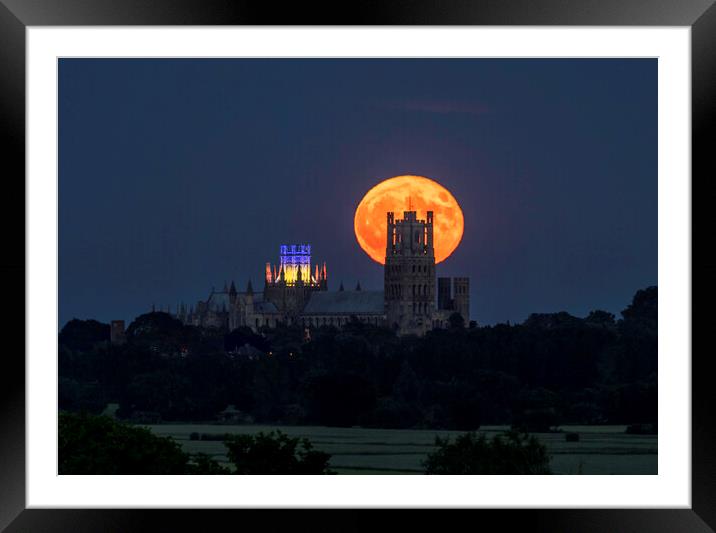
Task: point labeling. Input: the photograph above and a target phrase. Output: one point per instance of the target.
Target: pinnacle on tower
(249, 288)
(358, 286)
(232, 289)
(341, 287)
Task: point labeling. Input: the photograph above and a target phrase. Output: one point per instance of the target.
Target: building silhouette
(409, 274)
(295, 291)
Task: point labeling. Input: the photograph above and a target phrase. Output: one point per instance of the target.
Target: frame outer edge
(703, 113)
(12, 264)
(12, 108)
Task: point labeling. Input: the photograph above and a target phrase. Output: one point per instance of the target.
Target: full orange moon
(398, 194)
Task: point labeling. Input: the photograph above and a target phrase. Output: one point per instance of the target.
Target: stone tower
(289, 284)
(444, 294)
(409, 278)
(461, 297)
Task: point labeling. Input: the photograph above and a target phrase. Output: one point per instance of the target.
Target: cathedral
(296, 292)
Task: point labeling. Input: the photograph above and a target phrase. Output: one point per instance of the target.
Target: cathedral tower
(409, 277)
(461, 290)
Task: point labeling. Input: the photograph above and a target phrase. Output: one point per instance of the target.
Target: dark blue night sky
(176, 175)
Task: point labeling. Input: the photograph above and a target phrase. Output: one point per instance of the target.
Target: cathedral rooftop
(345, 303)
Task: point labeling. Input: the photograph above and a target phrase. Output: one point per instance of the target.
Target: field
(600, 450)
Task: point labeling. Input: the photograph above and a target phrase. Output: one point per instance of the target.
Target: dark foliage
(553, 369)
(83, 335)
(99, 445)
(275, 453)
(509, 453)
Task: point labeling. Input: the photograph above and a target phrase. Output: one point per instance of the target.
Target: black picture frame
(16, 15)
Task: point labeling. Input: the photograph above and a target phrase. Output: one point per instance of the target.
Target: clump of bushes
(89, 444)
(275, 453)
(507, 453)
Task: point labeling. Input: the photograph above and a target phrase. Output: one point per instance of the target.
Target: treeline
(552, 369)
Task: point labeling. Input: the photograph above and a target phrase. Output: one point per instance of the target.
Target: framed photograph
(453, 241)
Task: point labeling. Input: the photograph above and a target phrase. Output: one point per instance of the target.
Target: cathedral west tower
(409, 278)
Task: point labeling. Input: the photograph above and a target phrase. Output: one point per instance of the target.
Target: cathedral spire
(341, 287)
(358, 286)
(249, 288)
(232, 289)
